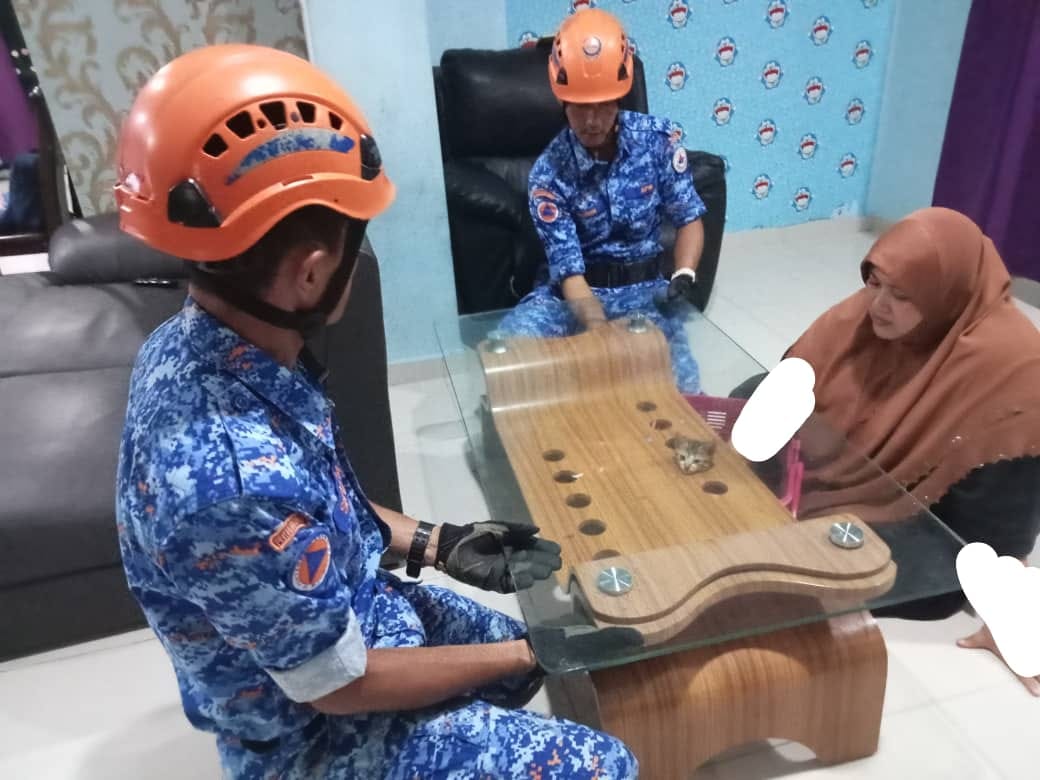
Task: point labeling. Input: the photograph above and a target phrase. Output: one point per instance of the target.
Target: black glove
(504, 557)
(564, 649)
(681, 294)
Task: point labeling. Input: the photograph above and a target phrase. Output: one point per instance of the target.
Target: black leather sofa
(70, 337)
(496, 114)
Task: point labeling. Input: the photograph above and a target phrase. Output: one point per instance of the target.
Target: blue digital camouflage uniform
(254, 554)
(588, 211)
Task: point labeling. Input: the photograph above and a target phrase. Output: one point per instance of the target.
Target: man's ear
(307, 266)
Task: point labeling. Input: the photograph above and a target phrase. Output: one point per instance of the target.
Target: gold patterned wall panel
(92, 56)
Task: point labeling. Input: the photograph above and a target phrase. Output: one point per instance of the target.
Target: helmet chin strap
(307, 322)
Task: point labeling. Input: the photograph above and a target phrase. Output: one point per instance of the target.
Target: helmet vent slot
(215, 146)
(307, 111)
(241, 124)
(275, 113)
(335, 121)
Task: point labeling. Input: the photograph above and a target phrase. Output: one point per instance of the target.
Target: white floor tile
(1004, 722)
(772, 284)
(753, 335)
(428, 432)
(903, 688)
(83, 648)
(111, 713)
(921, 744)
(929, 650)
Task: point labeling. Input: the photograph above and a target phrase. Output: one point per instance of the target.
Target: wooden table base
(821, 684)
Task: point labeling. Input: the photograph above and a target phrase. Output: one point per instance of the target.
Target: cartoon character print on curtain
(786, 92)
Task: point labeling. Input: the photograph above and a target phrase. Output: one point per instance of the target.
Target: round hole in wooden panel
(578, 500)
(646, 406)
(661, 424)
(566, 476)
(715, 487)
(553, 455)
(603, 554)
(592, 527)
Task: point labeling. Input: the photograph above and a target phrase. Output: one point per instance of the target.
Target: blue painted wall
(926, 44)
(725, 106)
(465, 24)
(380, 53)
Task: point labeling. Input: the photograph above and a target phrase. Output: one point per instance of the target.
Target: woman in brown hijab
(933, 373)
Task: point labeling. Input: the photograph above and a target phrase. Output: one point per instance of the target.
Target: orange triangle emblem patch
(313, 564)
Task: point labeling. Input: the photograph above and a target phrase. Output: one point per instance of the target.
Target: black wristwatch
(417, 552)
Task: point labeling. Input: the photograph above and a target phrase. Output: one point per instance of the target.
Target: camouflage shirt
(589, 211)
(244, 534)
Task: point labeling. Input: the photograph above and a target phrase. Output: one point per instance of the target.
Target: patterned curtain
(92, 56)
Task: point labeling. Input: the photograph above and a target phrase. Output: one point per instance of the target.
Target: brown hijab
(960, 391)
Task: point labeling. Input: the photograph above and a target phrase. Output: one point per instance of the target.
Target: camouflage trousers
(476, 737)
(541, 314)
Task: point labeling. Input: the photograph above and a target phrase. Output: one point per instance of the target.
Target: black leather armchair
(496, 114)
(70, 339)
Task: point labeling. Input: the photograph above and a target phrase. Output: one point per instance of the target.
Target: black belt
(622, 274)
(267, 745)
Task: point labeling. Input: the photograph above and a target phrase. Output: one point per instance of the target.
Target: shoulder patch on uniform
(548, 212)
(680, 161)
(313, 564)
(541, 192)
(286, 531)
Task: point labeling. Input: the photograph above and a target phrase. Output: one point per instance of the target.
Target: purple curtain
(17, 124)
(990, 160)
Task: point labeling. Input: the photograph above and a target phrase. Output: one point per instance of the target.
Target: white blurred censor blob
(1006, 596)
(776, 410)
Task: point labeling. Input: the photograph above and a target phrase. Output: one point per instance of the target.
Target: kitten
(692, 455)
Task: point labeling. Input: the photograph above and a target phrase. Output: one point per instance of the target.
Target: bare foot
(983, 640)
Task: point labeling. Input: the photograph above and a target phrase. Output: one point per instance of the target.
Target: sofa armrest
(96, 251)
(478, 193)
(709, 178)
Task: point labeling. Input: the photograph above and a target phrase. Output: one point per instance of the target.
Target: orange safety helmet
(225, 141)
(591, 59)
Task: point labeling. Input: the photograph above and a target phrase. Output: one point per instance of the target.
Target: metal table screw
(614, 581)
(848, 536)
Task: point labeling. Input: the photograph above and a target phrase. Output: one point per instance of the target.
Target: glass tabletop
(614, 439)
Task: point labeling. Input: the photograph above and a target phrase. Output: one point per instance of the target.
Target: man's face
(592, 122)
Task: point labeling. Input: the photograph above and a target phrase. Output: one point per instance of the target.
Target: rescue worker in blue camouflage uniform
(597, 197)
(245, 535)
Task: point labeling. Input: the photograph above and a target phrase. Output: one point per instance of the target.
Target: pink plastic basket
(722, 413)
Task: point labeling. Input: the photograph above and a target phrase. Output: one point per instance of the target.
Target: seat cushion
(65, 363)
(96, 251)
(61, 435)
(53, 327)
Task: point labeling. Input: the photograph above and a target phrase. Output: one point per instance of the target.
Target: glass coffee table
(713, 601)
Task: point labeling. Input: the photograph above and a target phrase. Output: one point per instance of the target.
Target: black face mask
(305, 321)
